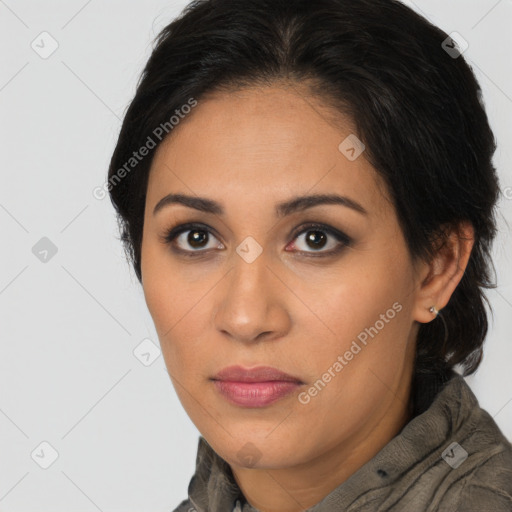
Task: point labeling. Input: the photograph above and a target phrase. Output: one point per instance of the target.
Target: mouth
(255, 387)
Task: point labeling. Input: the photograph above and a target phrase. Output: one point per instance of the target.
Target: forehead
(261, 143)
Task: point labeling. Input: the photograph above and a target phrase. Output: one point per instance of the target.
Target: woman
(306, 192)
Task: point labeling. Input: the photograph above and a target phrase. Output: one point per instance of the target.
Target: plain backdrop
(77, 392)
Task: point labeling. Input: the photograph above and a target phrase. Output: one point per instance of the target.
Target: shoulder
(185, 506)
(484, 479)
(464, 461)
(490, 484)
(489, 487)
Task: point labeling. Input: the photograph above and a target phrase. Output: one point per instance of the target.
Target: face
(322, 291)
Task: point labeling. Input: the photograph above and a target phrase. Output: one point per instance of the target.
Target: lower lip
(255, 394)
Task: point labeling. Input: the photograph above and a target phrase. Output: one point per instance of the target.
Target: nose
(251, 302)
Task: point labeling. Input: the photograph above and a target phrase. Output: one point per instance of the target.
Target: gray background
(71, 321)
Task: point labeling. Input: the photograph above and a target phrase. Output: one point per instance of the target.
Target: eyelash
(343, 239)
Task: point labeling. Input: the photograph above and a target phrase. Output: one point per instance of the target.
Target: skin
(289, 308)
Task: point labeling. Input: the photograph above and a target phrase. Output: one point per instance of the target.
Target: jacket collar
(213, 487)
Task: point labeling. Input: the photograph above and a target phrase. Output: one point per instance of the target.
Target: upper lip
(257, 374)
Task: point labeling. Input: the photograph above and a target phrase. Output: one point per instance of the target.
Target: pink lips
(256, 387)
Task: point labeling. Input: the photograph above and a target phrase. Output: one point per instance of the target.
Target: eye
(196, 236)
(315, 239)
(196, 239)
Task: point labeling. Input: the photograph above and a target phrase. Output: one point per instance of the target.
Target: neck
(294, 489)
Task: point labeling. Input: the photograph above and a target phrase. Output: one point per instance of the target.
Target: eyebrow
(296, 204)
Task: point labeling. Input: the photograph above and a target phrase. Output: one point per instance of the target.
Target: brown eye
(320, 240)
(190, 238)
(196, 238)
(316, 239)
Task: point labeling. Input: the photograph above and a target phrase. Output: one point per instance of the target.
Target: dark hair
(417, 108)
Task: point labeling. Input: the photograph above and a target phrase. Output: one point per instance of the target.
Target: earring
(433, 309)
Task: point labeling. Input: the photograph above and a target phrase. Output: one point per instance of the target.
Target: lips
(258, 374)
(255, 387)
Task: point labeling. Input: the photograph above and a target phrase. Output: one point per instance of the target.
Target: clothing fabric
(450, 457)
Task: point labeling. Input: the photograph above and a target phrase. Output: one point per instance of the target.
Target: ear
(438, 279)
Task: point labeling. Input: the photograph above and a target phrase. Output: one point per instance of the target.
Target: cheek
(179, 313)
(355, 297)
(364, 317)
(174, 311)
(164, 287)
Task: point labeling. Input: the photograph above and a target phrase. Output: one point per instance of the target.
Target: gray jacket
(451, 457)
